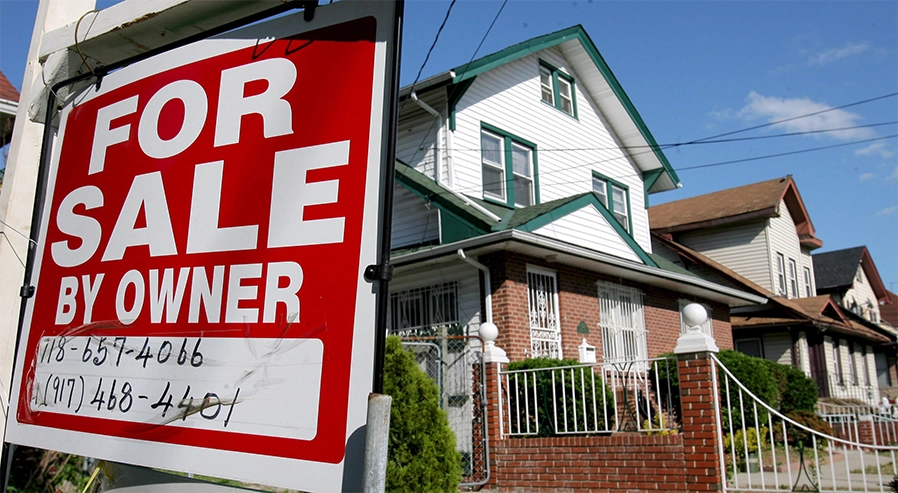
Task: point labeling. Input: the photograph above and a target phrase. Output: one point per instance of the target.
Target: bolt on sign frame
(200, 300)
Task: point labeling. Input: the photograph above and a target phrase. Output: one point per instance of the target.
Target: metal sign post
(199, 301)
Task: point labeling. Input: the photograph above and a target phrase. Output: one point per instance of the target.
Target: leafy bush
(796, 391)
(798, 435)
(550, 394)
(422, 455)
(741, 441)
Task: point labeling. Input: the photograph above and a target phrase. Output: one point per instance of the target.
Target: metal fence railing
(764, 450)
(590, 399)
(847, 386)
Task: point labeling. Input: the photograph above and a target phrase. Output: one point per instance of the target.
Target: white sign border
(272, 470)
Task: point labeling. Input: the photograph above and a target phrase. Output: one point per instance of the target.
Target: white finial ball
(489, 332)
(694, 315)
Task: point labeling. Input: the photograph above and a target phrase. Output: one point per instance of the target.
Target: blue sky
(699, 69)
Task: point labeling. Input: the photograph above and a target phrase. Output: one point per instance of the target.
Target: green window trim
(508, 139)
(557, 75)
(610, 184)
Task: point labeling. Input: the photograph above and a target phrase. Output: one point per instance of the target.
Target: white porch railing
(589, 399)
(846, 386)
(763, 450)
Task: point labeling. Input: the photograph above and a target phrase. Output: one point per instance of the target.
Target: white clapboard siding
(468, 279)
(861, 292)
(666, 253)
(413, 222)
(778, 348)
(568, 149)
(808, 262)
(741, 248)
(418, 132)
(588, 228)
(784, 239)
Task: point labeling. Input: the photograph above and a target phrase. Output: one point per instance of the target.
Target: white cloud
(867, 176)
(771, 109)
(835, 54)
(888, 211)
(894, 175)
(875, 148)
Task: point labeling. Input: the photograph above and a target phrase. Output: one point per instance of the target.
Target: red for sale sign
(199, 298)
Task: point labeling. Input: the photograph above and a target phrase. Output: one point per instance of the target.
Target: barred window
(426, 311)
(545, 331)
(622, 317)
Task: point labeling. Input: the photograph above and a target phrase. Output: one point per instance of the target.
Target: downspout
(487, 296)
(437, 164)
(437, 158)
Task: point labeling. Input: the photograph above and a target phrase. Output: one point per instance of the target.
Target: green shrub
(422, 455)
(798, 435)
(599, 401)
(796, 391)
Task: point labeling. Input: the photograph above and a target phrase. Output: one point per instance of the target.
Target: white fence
(763, 450)
(589, 399)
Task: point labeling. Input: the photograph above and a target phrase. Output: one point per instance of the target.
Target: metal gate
(763, 450)
(455, 363)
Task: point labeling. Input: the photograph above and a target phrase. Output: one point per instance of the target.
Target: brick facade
(578, 302)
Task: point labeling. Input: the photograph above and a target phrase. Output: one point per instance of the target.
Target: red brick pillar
(699, 408)
(700, 432)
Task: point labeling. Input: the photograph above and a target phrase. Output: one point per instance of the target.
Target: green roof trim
(455, 92)
(429, 190)
(669, 266)
(577, 32)
(648, 179)
(530, 219)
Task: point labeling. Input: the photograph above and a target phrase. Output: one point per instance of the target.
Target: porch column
(494, 358)
(698, 385)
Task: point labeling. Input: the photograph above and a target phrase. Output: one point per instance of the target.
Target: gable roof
(735, 205)
(595, 77)
(818, 311)
(835, 271)
(7, 90)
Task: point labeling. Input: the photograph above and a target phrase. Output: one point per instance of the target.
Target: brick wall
(621, 463)
(578, 303)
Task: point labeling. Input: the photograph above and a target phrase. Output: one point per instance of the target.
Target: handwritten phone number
(59, 348)
(119, 396)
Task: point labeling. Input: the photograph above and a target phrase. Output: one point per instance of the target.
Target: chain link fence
(455, 363)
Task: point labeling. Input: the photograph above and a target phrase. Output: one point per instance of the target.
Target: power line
(432, 45)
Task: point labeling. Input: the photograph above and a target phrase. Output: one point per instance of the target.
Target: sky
(696, 70)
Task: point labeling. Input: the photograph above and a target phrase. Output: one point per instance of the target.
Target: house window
(545, 329)
(781, 275)
(622, 317)
(557, 88)
(807, 282)
(426, 311)
(793, 278)
(508, 165)
(707, 328)
(751, 347)
(619, 202)
(837, 362)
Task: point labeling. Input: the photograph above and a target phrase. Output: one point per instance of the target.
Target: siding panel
(742, 248)
(588, 228)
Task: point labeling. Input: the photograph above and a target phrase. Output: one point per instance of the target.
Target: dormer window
(619, 194)
(557, 88)
(508, 165)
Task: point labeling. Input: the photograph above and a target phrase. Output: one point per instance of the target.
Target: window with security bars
(622, 317)
(426, 311)
(545, 331)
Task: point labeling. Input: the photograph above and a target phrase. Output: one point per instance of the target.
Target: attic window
(557, 88)
(619, 203)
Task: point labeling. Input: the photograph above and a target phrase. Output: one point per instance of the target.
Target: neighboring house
(889, 311)
(759, 238)
(9, 104)
(517, 199)
(851, 278)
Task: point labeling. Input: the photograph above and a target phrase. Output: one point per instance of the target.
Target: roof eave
(530, 243)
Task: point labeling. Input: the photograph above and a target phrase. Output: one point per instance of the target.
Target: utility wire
(432, 45)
